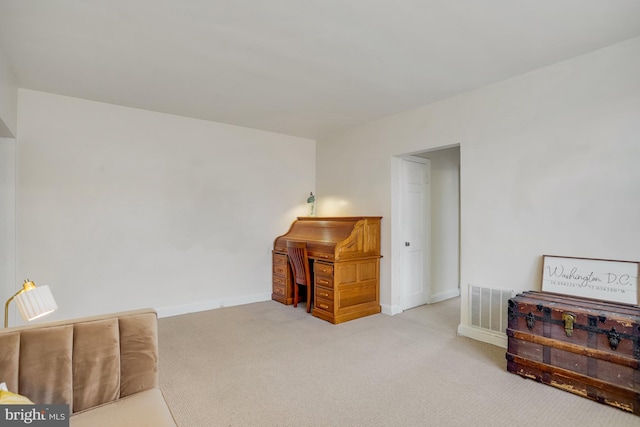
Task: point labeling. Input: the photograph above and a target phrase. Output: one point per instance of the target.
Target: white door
(416, 230)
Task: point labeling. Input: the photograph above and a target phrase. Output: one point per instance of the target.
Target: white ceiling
(300, 67)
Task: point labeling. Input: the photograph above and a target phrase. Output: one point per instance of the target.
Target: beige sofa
(104, 367)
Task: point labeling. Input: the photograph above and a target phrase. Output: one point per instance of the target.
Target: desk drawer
(323, 269)
(324, 305)
(279, 281)
(279, 289)
(324, 293)
(325, 282)
(280, 269)
(279, 259)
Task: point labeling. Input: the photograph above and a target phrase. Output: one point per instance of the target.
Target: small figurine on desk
(312, 200)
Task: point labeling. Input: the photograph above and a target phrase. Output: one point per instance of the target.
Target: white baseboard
(177, 310)
(482, 335)
(444, 296)
(391, 310)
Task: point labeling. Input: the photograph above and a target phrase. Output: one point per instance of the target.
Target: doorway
(415, 201)
(426, 270)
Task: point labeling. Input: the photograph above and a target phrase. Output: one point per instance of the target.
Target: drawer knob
(323, 306)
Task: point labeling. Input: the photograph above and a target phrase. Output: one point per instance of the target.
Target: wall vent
(489, 307)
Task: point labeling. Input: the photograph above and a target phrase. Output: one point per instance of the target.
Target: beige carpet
(266, 364)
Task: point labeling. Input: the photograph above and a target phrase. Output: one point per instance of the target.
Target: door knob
(407, 244)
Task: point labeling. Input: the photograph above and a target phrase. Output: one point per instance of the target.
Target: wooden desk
(344, 254)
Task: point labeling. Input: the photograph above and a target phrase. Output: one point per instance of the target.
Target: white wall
(8, 99)
(549, 165)
(119, 208)
(8, 285)
(445, 223)
(8, 129)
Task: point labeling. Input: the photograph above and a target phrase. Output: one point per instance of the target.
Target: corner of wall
(391, 310)
(8, 100)
(8, 283)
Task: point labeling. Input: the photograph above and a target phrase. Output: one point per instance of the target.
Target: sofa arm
(145, 409)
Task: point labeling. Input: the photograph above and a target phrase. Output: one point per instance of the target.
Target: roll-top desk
(344, 254)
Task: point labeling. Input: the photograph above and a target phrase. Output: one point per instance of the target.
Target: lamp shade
(36, 302)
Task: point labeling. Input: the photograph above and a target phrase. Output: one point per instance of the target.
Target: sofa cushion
(45, 374)
(10, 359)
(96, 363)
(138, 353)
(144, 409)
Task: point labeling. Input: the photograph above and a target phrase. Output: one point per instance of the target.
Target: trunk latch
(568, 319)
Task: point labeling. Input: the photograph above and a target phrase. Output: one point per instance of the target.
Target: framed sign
(601, 279)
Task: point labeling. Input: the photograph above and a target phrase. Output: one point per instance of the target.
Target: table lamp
(32, 301)
(312, 201)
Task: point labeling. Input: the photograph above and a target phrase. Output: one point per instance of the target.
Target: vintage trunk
(587, 347)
